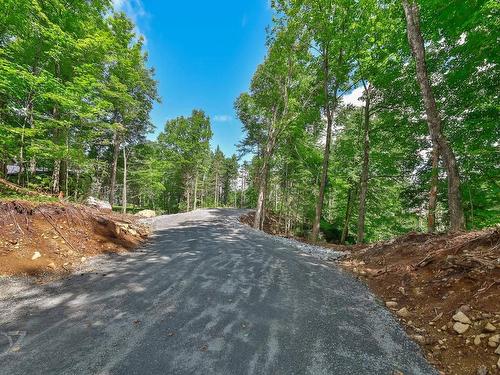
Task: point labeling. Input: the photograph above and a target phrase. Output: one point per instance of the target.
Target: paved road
(207, 295)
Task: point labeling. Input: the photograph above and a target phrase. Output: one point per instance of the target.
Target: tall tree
(416, 41)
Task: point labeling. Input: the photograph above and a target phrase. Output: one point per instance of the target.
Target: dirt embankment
(425, 279)
(38, 239)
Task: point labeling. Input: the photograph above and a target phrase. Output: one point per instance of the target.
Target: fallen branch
(15, 221)
(21, 190)
(56, 229)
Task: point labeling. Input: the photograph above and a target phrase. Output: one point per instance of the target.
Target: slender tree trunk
(364, 171)
(124, 191)
(63, 187)
(261, 199)
(203, 190)
(431, 218)
(263, 180)
(55, 176)
(56, 173)
(64, 172)
(77, 184)
(216, 190)
(347, 219)
(188, 194)
(416, 41)
(114, 166)
(195, 203)
(329, 108)
(21, 158)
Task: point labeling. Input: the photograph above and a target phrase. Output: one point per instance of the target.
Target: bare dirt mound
(426, 279)
(38, 239)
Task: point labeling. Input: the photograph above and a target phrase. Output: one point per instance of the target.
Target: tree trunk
(55, 177)
(56, 173)
(364, 171)
(258, 222)
(345, 230)
(216, 189)
(62, 176)
(64, 172)
(326, 154)
(21, 158)
(124, 191)
(431, 218)
(264, 175)
(114, 166)
(195, 202)
(188, 194)
(416, 43)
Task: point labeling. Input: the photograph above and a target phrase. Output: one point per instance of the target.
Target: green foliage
(344, 43)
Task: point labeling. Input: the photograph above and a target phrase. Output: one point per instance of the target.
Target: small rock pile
(462, 323)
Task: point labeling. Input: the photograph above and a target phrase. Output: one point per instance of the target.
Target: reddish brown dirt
(433, 275)
(65, 236)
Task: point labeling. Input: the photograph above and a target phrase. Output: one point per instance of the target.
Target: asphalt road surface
(206, 295)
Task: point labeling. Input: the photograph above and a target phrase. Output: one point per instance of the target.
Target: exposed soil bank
(38, 239)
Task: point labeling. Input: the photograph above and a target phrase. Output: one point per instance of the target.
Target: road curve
(206, 295)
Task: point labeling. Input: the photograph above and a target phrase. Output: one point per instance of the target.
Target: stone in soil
(461, 317)
(391, 303)
(490, 327)
(460, 327)
(403, 312)
(36, 255)
(495, 339)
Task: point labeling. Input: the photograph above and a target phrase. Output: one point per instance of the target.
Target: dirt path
(207, 295)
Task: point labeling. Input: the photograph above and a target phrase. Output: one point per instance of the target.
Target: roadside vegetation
(418, 152)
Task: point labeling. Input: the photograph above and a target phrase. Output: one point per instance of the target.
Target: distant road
(206, 295)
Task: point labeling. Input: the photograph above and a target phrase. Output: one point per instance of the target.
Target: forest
(417, 152)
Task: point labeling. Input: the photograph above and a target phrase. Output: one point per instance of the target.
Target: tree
(416, 43)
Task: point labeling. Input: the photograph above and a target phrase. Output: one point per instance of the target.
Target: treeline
(419, 153)
(75, 94)
(179, 172)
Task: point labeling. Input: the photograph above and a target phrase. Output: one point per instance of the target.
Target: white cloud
(353, 97)
(222, 118)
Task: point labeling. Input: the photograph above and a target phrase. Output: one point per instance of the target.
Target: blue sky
(204, 53)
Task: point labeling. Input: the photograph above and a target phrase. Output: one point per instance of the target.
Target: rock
(97, 203)
(482, 370)
(492, 344)
(464, 308)
(489, 327)
(404, 313)
(477, 339)
(461, 317)
(52, 265)
(83, 259)
(460, 327)
(497, 351)
(498, 363)
(419, 338)
(146, 213)
(391, 304)
(36, 255)
(495, 338)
